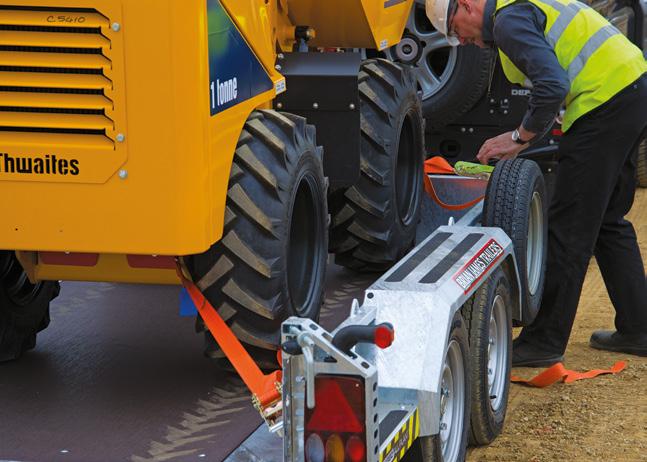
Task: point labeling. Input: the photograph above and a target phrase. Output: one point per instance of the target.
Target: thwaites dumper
(244, 136)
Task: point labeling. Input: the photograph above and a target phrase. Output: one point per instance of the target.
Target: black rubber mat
(119, 376)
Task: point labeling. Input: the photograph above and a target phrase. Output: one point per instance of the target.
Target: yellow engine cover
(120, 119)
(352, 23)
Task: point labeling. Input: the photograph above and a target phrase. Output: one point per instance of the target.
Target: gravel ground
(603, 419)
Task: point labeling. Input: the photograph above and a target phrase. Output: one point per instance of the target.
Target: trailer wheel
(489, 323)
(270, 263)
(374, 222)
(24, 307)
(450, 445)
(515, 200)
(641, 171)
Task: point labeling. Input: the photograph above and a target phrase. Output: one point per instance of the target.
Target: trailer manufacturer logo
(48, 165)
(476, 268)
(397, 448)
(402, 440)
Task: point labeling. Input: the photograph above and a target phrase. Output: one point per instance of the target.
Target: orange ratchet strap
(558, 373)
(438, 165)
(266, 389)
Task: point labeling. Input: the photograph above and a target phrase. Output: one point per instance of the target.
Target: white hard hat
(438, 12)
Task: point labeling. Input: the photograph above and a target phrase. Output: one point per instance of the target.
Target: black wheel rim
(305, 248)
(407, 171)
(17, 286)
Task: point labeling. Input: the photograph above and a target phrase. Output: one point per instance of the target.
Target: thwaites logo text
(476, 268)
(46, 165)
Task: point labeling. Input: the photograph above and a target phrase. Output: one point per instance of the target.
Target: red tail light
(337, 423)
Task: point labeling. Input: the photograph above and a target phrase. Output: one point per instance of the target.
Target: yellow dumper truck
(246, 137)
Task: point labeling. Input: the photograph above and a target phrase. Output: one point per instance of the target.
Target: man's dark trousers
(595, 187)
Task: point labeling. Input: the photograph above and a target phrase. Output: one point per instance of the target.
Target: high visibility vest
(599, 60)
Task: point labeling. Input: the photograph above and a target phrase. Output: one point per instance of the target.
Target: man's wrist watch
(516, 137)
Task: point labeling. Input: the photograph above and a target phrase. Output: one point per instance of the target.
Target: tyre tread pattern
(485, 425)
(19, 325)
(364, 234)
(243, 275)
(508, 195)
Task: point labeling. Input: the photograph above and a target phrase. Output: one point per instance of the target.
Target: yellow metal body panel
(110, 268)
(146, 166)
(175, 157)
(352, 23)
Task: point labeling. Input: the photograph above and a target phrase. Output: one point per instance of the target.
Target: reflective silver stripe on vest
(566, 15)
(590, 47)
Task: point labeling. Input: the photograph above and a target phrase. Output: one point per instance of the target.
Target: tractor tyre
(271, 261)
(489, 323)
(515, 200)
(24, 307)
(450, 445)
(641, 171)
(374, 221)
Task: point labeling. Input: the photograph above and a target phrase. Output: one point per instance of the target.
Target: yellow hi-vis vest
(599, 60)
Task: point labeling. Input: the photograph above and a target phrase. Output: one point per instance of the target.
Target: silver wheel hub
(535, 245)
(498, 351)
(407, 50)
(452, 403)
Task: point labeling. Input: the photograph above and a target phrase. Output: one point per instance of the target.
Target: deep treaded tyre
(515, 200)
(642, 164)
(271, 260)
(450, 445)
(489, 324)
(24, 307)
(374, 222)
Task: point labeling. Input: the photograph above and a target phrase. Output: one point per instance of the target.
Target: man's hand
(500, 147)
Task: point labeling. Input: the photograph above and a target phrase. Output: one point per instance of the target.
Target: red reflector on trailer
(340, 406)
(557, 132)
(384, 337)
(355, 449)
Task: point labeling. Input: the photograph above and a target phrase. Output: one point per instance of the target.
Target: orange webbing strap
(265, 388)
(558, 373)
(438, 165)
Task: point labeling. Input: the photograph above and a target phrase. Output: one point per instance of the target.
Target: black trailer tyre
(450, 445)
(641, 171)
(451, 79)
(270, 263)
(489, 322)
(24, 307)
(374, 222)
(515, 200)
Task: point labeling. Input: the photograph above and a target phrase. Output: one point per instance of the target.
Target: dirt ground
(603, 419)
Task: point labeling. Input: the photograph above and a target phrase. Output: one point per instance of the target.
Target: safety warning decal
(478, 266)
(402, 440)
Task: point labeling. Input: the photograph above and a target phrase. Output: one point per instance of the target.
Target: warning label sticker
(476, 268)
